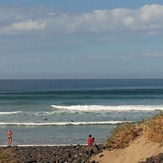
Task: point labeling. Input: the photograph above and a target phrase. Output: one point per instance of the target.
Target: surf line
(62, 123)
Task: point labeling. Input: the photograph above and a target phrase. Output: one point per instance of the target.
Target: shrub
(153, 129)
(122, 135)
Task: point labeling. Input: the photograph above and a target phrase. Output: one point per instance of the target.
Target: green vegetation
(123, 134)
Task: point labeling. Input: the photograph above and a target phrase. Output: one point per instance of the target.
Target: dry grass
(153, 129)
(123, 134)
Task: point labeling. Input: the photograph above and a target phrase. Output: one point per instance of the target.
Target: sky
(81, 39)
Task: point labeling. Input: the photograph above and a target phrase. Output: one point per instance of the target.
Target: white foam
(99, 108)
(42, 145)
(60, 123)
(8, 113)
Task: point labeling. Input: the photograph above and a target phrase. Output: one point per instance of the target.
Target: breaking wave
(60, 123)
(99, 108)
(9, 113)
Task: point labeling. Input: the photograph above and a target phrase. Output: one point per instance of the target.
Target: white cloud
(24, 26)
(148, 18)
(29, 25)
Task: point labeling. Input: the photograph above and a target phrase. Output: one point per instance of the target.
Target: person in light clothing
(9, 136)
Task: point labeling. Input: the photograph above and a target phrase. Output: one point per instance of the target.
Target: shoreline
(44, 145)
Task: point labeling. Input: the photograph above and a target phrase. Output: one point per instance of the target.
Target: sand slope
(137, 151)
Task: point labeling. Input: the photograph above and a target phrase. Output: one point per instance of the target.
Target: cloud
(26, 25)
(148, 18)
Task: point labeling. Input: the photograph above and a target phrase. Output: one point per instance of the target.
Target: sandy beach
(136, 152)
(135, 143)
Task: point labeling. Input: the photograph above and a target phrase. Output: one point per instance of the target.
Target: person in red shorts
(9, 135)
(90, 140)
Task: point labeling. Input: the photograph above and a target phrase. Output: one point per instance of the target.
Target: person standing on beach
(90, 140)
(9, 136)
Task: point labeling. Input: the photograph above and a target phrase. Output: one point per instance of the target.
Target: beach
(135, 142)
(139, 142)
(62, 113)
(137, 152)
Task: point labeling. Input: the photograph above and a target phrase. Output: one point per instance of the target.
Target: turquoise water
(67, 111)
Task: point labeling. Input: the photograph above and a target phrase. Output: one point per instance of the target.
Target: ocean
(61, 112)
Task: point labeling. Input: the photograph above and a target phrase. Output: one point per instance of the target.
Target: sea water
(48, 112)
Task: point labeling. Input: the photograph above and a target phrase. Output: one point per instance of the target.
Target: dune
(137, 151)
(135, 142)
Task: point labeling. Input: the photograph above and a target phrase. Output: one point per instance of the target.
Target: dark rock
(66, 155)
(31, 161)
(70, 160)
(89, 150)
(84, 156)
(101, 155)
(55, 154)
(154, 159)
(76, 161)
(149, 160)
(159, 157)
(93, 161)
(61, 161)
(95, 150)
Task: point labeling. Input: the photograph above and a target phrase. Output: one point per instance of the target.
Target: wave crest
(60, 123)
(99, 108)
(9, 113)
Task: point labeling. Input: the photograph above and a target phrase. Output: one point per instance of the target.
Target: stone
(55, 154)
(101, 156)
(70, 160)
(95, 150)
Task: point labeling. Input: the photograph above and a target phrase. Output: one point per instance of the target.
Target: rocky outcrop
(154, 159)
(54, 154)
